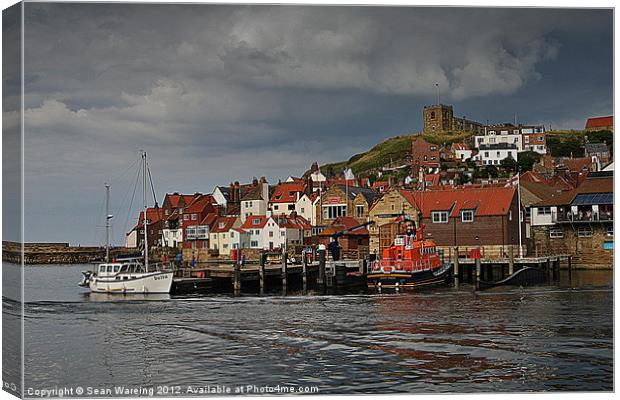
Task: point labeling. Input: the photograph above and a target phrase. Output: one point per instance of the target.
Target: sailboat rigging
(130, 275)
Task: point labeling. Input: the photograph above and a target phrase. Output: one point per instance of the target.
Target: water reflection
(556, 337)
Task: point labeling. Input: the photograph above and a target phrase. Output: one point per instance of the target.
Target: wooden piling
(237, 278)
(478, 272)
(320, 280)
(284, 268)
(549, 271)
(261, 272)
(304, 271)
(456, 266)
(511, 261)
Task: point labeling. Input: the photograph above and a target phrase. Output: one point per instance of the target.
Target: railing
(585, 217)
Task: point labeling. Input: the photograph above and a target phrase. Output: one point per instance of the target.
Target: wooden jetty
(484, 273)
(263, 275)
(324, 274)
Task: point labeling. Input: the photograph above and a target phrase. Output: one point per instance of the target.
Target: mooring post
(284, 267)
(304, 271)
(261, 271)
(478, 272)
(511, 261)
(455, 255)
(321, 276)
(237, 278)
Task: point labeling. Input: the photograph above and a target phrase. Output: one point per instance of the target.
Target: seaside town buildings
(562, 205)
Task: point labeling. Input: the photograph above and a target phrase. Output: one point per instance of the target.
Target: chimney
(237, 192)
(264, 188)
(309, 187)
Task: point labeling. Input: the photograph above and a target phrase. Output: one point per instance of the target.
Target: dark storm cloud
(221, 93)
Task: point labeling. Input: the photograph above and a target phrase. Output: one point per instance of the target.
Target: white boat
(129, 276)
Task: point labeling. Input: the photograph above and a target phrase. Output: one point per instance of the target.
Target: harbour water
(544, 338)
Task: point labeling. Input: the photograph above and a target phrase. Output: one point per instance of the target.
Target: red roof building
(600, 124)
(485, 216)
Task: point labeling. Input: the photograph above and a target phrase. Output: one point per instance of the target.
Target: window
(253, 243)
(194, 217)
(221, 225)
(302, 210)
(186, 217)
(275, 207)
(291, 207)
(556, 233)
(283, 233)
(335, 211)
(467, 216)
(102, 268)
(544, 210)
(360, 211)
(610, 230)
(584, 232)
(270, 233)
(439, 217)
(167, 212)
(432, 114)
(255, 221)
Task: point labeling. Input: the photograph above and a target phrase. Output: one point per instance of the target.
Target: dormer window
(467, 216)
(439, 217)
(278, 196)
(255, 221)
(221, 225)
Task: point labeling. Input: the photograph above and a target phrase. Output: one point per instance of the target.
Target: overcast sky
(221, 93)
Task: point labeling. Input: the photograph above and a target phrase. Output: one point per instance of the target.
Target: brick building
(464, 217)
(424, 155)
(334, 203)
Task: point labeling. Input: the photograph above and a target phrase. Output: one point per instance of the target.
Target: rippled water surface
(556, 337)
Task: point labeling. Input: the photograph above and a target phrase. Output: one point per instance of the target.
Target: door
(387, 234)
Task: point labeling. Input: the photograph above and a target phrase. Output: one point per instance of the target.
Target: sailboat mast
(107, 223)
(146, 243)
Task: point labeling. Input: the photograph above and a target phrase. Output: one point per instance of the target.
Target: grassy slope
(395, 149)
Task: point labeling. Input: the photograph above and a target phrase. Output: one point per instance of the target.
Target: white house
(131, 241)
(239, 239)
(461, 151)
(285, 197)
(494, 154)
(492, 139)
(221, 195)
(172, 237)
(256, 201)
(219, 238)
(306, 206)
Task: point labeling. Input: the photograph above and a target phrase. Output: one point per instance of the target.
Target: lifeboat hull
(395, 279)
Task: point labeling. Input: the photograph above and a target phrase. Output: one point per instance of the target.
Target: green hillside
(395, 149)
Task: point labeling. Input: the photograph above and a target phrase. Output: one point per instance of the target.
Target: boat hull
(152, 282)
(410, 280)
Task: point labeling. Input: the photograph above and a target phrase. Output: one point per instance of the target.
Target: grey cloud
(220, 93)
